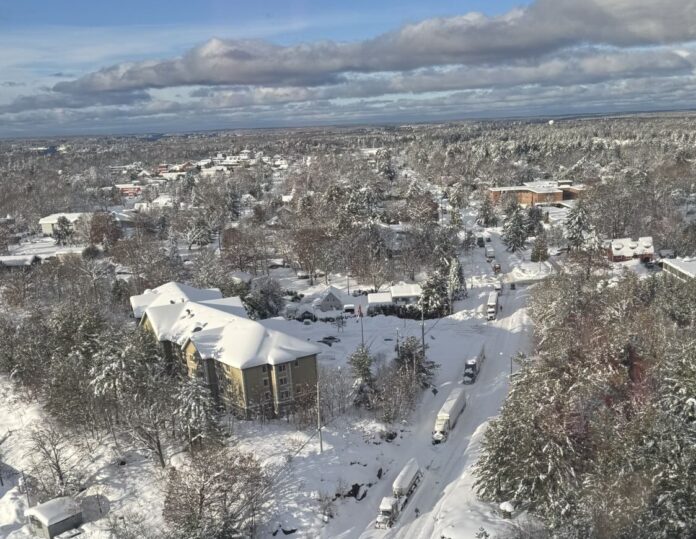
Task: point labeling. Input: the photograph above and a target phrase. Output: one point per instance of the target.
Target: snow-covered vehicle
(490, 253)
(473, 366)
(405, 483)
(492, 306)
(449, 413)
(496, 267)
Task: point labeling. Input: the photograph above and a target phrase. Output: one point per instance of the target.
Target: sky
(82, 67)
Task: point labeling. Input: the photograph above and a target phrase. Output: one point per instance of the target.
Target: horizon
(179, 68)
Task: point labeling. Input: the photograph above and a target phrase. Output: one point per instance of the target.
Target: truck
(490, 253)
(473, 366)
(492, 306)
(449, 413)
(405, 483)
(496, 267)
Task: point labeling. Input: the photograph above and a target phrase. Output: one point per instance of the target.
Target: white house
(405, 294)
(377, 300)
(48, 224)
(170, 294)
(330, 299)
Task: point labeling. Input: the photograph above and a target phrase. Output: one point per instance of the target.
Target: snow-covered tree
(265, 298)
(360, 363)
(515, 229)
(577, 226)
(63, 231)
(194, 410)
(434, 299)
(486, 214)
(540, 249)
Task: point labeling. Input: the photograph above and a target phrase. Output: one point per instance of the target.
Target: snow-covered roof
(243, 343)
(405, 290)
(53, 218)
(171, 292)
(686, 266)
(626, 247)
(177, 322)
(54, 511)
(329, 291)
(379, 298)
(18, 260)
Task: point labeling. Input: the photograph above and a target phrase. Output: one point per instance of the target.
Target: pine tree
(434, 300)
(195, 411)
(540, 250)
(456, 285)
(486, 214)
(411, 359)
(360, 363)
(515, 230)
(63, 231)
(577, 226)
(533, 220)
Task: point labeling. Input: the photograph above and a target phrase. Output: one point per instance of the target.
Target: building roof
(628, 248)
(54, 511)
(243, 343)
(53, 218)
(405, 290)
(171, 292)
(329, 291)
(19, 260)
(687, 266)
(379, 298)
(177, 322)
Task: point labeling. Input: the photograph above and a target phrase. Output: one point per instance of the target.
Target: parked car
(480, 241)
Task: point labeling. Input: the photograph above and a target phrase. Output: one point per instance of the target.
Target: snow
(18, 260)
(243, 343)
(628, 248)
(53, 218)
(682, 266)
(405, 291)
(54, 511)
(403, 481)
(168, 293)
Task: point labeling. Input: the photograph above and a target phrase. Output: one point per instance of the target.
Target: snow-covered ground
(353, 452)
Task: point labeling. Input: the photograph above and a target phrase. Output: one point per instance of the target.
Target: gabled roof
(170, 293)
(243, 343)
(53, 218)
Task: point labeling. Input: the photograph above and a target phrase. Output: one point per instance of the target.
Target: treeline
(598, 434)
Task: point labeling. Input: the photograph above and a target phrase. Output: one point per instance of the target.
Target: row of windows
(281, 368)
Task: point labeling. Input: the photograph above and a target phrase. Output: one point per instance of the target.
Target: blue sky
(84, 67)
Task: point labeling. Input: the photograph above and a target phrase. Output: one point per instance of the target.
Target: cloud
(67, 101)
(545, 27)
(12, 84)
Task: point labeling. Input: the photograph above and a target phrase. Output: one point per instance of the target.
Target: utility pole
(321, 440)
(398, 345)
(422, 341)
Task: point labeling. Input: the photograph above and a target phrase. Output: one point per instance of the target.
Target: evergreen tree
(63, 231)
(265, 299)
(534, 218)
(577, 226)
(540, 250)
(195, 411)
(411, 359)
(515, 230)
(434, 300)
(360, 363)
(456, 285)
(486, 214)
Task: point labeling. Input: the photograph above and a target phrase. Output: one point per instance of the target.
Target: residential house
(330, 299)
(405, 294)
(129, 189)
(377, 300)
(681, 268)
(248, 367)
(622, 249)
(49, 223)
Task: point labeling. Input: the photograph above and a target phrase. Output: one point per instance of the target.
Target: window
(267, 395)
(284, 394)
(297, 363)
(263, 369)
(265, 381)
(283, 381)
(282, 368)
